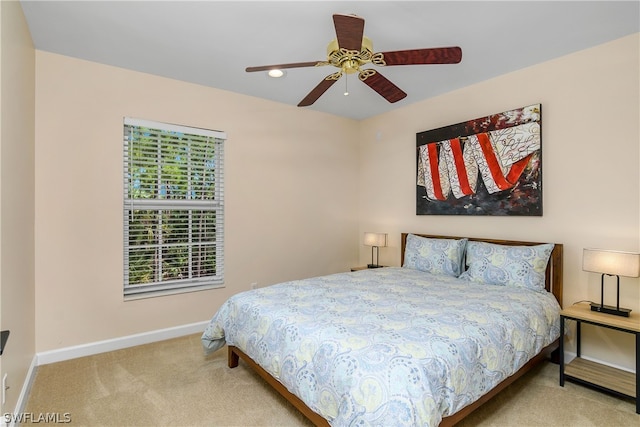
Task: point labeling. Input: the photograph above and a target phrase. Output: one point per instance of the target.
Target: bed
(421, 344)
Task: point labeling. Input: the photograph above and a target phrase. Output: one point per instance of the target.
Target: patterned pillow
(437, 256)
(504, 265)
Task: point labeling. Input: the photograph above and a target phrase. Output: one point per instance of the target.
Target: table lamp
(375, 240)
(611, 263)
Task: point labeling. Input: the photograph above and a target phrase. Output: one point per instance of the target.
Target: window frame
(160, 207)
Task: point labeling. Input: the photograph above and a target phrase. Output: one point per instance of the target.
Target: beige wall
(303, 186)
(17, 111)
(290, 189)
(591, 182)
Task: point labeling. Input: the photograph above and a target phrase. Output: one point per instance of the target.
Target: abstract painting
(487, 166)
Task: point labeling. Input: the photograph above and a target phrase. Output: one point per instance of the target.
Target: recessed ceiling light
(276, 73)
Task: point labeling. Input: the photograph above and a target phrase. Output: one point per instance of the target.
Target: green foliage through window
(173, 209)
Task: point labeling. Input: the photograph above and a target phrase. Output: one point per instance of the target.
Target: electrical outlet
(254, 285)
(4, 388)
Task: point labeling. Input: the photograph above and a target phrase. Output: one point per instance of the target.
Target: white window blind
(173, 208)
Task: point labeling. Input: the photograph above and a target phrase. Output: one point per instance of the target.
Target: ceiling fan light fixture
(276, 73)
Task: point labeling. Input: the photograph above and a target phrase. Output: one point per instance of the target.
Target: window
(173, 209)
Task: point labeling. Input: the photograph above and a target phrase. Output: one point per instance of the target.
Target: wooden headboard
(553, 275)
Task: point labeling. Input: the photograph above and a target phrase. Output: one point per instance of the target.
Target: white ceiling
(211, 42)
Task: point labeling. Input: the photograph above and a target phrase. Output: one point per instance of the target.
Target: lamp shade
(611, 262)
(375, 239)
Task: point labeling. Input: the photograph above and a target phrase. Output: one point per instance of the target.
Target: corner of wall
(17, 203)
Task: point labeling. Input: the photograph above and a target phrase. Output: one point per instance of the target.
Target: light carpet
(172, 383)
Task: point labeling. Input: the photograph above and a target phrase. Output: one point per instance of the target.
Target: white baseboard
(22, 398)
(97, 347)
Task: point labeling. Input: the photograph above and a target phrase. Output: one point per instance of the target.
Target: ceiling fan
(351, 50)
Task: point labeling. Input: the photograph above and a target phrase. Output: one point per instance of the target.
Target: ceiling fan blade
(319, 90)
(349, 31)
(439, 55)
(282, 66)
(382, 85)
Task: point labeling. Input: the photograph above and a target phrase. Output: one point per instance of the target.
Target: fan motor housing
(349, 60)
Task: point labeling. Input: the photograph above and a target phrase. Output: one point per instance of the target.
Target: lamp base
(373, 266)
(608, 309)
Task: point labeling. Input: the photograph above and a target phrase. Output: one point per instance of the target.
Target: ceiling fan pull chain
(346, 85)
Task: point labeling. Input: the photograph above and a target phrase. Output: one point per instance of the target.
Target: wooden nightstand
(595, 374)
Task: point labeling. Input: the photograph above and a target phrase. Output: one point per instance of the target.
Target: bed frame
(553, 284)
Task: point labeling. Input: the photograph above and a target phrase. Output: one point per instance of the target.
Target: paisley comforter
(388, 346)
